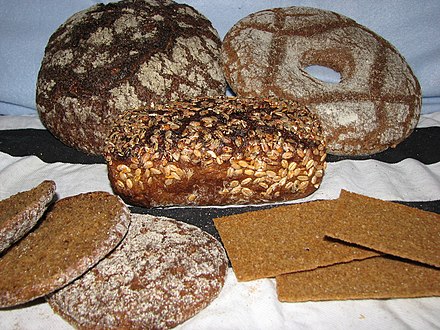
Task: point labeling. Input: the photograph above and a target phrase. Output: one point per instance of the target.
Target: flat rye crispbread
(387, 227)
(373, 278)
(284, 239)
(20, 212)
(73, 236)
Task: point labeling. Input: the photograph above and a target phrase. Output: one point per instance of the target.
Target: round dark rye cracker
(375, 105)
(216, 151)
(123, 55)
(72, 237)
(20, 212)
(163, 273)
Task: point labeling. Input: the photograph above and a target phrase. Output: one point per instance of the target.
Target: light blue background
(413, 27)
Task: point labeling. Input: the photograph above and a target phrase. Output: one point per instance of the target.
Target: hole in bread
(324, 73)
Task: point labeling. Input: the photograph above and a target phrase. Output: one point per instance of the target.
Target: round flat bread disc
(376, 103)
(163, 273)
(21, 212)
(73, 236)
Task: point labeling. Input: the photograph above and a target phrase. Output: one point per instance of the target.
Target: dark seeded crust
(216, 151)
(119, 56)
(73, 236)
(163, 273)
(20, 212)
(375, 106)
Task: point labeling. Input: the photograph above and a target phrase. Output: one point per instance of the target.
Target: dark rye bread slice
(20, 213)
(163, 273)
(73, 236)
(375, 105)
(123, 55)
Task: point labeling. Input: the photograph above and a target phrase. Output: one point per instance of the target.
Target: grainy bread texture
(216, 151)
(375, 105)
(123, 55)
(390, 228)
(73, 236)
(373, 278)
(283, 239)
(163, 273)
(21, 212)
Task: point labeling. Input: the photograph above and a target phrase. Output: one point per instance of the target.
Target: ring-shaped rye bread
(375, 105)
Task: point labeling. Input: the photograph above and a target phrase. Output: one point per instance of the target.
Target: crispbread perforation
(390, 228)
(285, 239)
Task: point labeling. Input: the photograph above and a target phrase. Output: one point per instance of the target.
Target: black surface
(198, 216)
(40, 143)
(423, 145)
(202, 217)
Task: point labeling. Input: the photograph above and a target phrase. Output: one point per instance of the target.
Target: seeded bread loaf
(216, 151)
(123, 55)
(375, 105)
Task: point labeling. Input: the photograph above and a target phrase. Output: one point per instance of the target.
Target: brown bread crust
(21, 212)
(163, 273)
(119, 56)
(375, 105)
(74, 235)
(216, 151)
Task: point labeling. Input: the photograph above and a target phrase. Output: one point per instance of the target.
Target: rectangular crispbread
(387, 227)
(373, 278)
(284, 239)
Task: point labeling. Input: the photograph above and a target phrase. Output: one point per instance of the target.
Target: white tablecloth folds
(252, 305)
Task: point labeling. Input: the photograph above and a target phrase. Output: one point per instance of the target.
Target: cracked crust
(123, 55)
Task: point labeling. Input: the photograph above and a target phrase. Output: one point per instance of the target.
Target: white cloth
(254, 304)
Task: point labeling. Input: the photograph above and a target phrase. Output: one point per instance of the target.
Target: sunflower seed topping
(223, 149)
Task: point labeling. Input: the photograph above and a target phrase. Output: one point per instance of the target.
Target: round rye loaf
(122, 55)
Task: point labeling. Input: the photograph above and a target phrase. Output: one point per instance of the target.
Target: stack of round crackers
(66, 241)
(100, 266)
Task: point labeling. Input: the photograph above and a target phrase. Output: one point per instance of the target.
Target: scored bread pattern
(119, 56)
(375, 105)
